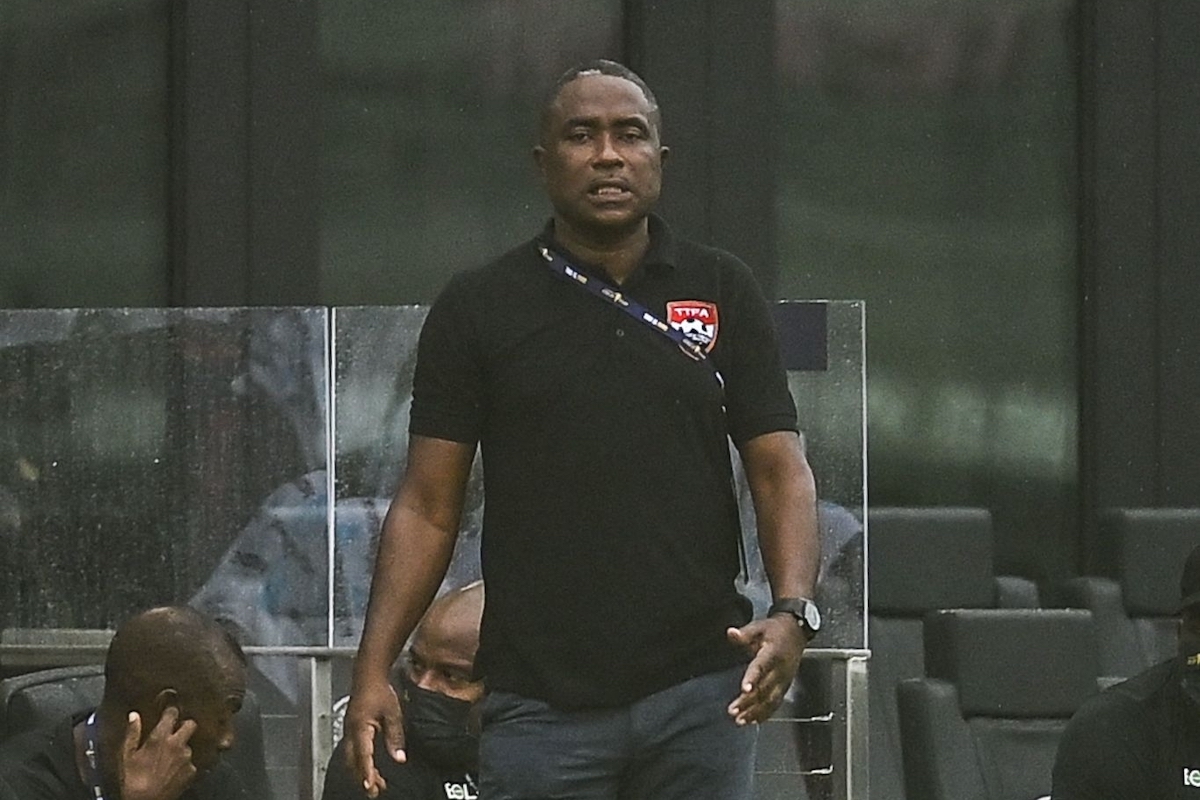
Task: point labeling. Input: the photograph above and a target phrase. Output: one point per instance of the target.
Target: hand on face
(160, 768)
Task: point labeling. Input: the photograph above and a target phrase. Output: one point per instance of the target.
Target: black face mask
(439, 728)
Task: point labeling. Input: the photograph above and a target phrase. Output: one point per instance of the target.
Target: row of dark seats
(973, 676)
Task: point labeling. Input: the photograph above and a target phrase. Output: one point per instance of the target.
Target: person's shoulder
(32, 766)
(1147, 686)
(691, 254)
(1110, 746)
(1127, 703)
(481, 281)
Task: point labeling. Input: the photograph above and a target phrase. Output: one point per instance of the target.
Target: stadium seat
(1001, 686)
(1132, 585)
(921, 559)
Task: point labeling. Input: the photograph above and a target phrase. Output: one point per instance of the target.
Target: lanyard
(559, 266)
(91, 739)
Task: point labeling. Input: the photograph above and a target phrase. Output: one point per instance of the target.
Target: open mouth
(609, 191)
(609, 188)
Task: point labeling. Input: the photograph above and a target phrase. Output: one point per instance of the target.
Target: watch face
(812, 617)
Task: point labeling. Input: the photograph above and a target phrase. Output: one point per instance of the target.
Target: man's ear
(663, 152)
(539, 155)
(162, 701)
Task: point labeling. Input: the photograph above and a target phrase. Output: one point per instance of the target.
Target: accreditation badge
(696, 319)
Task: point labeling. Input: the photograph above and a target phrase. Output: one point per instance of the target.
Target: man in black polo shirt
(1141, 738)
(173, 681)
(620, 660)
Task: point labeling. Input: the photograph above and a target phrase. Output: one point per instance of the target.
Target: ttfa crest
(697, 319)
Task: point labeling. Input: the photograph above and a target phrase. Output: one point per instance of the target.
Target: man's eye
(456, 678)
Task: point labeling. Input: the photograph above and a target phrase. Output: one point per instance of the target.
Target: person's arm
(785, 504)
(415, 547)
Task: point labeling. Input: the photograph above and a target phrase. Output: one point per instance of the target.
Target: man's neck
(618, 253)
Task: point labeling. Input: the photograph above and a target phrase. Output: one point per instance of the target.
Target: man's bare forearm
(785, 503)
(412, 560)
(415, 547)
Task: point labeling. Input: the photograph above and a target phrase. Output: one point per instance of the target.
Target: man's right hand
(374, 707)
(159, 768)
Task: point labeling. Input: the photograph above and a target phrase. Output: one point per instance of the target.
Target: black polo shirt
(1137, 739)
(416, 779)
(610, 532)
(40, 765)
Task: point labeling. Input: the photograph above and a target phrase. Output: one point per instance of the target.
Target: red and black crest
(697, 319)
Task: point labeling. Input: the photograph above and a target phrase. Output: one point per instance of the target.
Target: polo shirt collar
(660, 254)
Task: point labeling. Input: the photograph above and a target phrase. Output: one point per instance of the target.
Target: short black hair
(166, 647)
(600, 66)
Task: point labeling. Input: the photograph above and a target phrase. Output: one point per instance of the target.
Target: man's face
(213, 710)
(442, 663)
(600, 156)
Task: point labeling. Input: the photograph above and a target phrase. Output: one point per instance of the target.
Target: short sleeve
(448, 387)
(757, 397)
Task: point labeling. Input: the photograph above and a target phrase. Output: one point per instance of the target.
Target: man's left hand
(776, 644)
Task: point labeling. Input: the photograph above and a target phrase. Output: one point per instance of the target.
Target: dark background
(1012, 187)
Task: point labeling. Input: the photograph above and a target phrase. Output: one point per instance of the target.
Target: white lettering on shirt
(1191, 777)
(459, 791)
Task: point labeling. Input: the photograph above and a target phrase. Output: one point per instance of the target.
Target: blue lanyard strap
(91, 740)
(560, 266)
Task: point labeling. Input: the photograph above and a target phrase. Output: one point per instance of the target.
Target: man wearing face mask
(439, 702)
(1141, 738)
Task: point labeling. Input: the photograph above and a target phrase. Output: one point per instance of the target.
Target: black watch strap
(803, 610)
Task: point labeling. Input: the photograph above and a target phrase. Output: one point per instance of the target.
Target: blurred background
(1009, 185)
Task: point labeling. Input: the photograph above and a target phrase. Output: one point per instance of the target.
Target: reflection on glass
(374, 356)
(927, 167)
(829, 402)
(83, 153)
(429, 114)
(164, 456)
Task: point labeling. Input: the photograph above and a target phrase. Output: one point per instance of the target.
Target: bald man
(173, 681)
(440, 696)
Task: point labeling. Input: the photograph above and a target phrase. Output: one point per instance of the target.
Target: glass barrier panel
(822, 345)
(157, 456)
(374, 358)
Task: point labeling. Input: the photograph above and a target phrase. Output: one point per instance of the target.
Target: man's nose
(607, 152)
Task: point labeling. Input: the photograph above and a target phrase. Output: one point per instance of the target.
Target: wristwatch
(801, 609)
